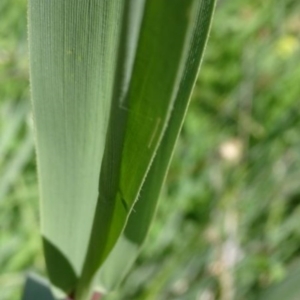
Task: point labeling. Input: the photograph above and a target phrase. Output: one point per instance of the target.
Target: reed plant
(111, 82)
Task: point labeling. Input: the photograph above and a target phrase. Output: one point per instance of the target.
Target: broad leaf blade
(102, 104)
(73, 56)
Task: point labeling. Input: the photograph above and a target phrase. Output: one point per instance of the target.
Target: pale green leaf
(73, 51)
(111, 80)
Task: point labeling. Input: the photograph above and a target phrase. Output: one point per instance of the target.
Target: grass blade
(140, 219)
(158, 69)
(111, 82)
(73, 55)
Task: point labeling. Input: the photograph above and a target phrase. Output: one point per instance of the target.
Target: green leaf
(111, 81)
(162, 54)
(73, 51)
(140, 219)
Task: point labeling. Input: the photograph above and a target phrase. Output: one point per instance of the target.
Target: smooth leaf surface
(162, 52)
(111, 82)
(73, 56)
(140, 219)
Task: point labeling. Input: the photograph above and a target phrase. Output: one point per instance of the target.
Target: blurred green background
(228, 221)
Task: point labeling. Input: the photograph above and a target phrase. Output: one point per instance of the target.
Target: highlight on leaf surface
(111, 81)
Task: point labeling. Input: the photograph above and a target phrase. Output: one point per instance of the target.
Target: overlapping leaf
(115, 267)
(111, 81)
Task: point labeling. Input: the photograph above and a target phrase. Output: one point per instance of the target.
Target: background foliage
(227, 224)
